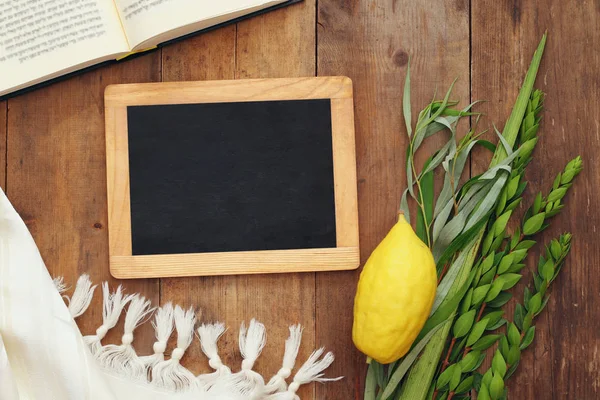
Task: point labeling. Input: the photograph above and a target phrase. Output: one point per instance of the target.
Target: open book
(44, 39)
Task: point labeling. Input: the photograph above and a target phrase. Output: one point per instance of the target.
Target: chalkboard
(233, 176)
(230, 177)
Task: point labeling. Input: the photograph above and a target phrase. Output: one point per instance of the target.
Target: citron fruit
(395, 294)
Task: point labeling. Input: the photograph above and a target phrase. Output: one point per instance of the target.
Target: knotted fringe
(209, 335)
(163, 327)
(247, 382)
(170, 374)
(59, 284)
(292, 346)
(82, 296)
(122, 358)
(112, 306)
(311, 371)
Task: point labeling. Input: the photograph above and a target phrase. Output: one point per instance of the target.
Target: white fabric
(42, 352)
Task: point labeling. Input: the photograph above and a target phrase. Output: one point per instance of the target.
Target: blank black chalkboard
(220, 177)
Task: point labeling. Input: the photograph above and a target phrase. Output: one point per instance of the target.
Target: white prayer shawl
(44, 356)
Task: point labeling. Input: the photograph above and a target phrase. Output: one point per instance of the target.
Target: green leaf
(455, 380)
(498, 364)
(513, 335)
(518, 318)
(537, 203)
(476, 332)
(487, 242)
(497, 243)
(494, 290)
(485, 342)
(407, 361)
(493, 317)
(555, 249)
(488, 277)
(404, 206)
(469, 362)
(445, 376)
(511, 129)
(378, 372)
(516, 237)
(466, 303)
(505, 263)
(510, 280)
(557, 194)
(528, 338)
(513, 185)
(514, 354)
(548, 271)
(501, 222)
(503, 345)
(465, 385)
(497, 325)
(519, 255)
(525, 245)
(487, 262)
(513, 204)
(427, 193)
(515, 268)
(463, 324)
(496, 387)
(483, 393)
(370, 384)
(527, 321)
(500, 300)
(533, 224)
(406, 102)
(533, 306)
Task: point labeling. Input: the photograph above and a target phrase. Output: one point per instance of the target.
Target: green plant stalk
(421, 374)
(510, 198)
(511, 268)
(520, 333)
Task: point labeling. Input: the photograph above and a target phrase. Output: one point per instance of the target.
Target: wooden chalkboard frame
(344, 256)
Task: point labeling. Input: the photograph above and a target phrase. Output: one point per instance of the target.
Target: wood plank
(223, 91)
(276, 44)
(3, 116)
(562, 362)
(370, 42)
(234, 263)
(57, 179)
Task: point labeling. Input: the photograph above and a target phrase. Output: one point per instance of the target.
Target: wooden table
(52, 162)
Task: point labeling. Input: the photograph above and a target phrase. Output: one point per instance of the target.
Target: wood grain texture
(57, 180)
(56, 173)
(277, 301)
(370, 42)
(3, 116)
(234, 263)
(563, 360)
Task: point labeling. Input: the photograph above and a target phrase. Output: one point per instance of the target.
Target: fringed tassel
(59, 284)
(113, 304)
(163, 328)
(82, 296)
(122, 358)
(209, 335)
(311, 371)
(292, 346)
(170, 374)
(252, 341)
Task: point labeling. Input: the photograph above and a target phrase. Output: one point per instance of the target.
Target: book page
(168, 19)
(39, 38)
